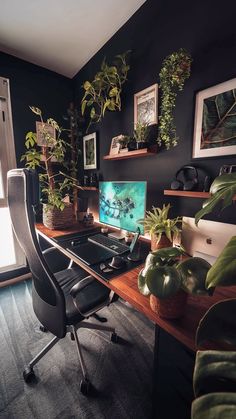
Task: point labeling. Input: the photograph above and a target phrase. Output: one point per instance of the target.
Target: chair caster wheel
(85, 387)
(42, 328)
(28, 374)
(72, 336)
(114, 337)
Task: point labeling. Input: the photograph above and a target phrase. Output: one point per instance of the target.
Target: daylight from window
(7, 252)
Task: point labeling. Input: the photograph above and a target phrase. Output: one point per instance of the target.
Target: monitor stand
(118, 235)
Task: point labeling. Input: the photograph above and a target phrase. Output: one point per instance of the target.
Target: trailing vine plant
(175, 70)
(104, 91)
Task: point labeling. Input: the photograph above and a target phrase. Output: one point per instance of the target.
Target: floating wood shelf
(190, 194)
(89, 188)
(131, 154)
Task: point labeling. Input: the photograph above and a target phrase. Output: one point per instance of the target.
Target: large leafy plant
(156, 222)
(174, 72)
(54, 185)
(104, 91)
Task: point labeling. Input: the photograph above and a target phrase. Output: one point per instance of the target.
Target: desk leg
(172, 377)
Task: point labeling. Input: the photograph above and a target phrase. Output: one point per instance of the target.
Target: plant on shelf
(168, 280)
(104, 91)
(124, 140)
(42, 151)
(140, 135)
(174, 72)
(162, 229)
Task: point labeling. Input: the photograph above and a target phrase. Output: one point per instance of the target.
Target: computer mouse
(117, 262)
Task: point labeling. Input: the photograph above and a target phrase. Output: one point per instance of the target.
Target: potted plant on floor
(162, 230)
(45, 150)
(168, 280)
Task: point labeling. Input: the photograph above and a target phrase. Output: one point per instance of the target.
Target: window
(11, 256)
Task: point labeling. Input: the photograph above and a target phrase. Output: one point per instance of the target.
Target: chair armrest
(55, 259)
(81, 285)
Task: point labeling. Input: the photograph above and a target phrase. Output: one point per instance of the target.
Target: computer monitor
(122, 204)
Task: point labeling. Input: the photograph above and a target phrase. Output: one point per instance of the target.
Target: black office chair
(63, 300)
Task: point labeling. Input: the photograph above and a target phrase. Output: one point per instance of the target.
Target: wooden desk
(125, 286)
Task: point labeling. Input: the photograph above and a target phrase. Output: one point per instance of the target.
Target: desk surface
(125, 286)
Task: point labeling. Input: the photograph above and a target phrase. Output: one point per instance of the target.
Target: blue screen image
(122, 204)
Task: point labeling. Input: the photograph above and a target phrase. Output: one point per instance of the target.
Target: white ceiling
(61, 35)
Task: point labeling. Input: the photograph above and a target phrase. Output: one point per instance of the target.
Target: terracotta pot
(55, 219)
(164, 242)
(170, 308)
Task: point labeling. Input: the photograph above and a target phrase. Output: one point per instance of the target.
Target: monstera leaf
(223, 188)
(223, 272)
(218, 325)
(215, 406)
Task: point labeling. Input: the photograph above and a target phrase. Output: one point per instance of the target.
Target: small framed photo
(90, 151)
(46, 134)
(145, 106)
(215, 121)
(115, 145)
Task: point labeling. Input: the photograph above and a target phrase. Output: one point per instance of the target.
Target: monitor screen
(122, 204)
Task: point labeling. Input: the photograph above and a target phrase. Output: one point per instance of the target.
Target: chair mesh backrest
(48, 298)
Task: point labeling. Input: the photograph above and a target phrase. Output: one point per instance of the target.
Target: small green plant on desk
(162, 230)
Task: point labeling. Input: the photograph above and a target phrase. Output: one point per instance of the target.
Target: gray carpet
(121, 373)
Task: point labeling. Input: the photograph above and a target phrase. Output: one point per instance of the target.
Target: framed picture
(145, 105)
(115, 145)
(215, 121)
(90, 151)
(42, 129)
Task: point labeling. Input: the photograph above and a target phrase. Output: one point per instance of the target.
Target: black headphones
(188, 182)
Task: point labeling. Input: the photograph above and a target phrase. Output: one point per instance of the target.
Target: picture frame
(115, 145)
(145, 105)
(215, 121)
(41, 127)
(90, 151)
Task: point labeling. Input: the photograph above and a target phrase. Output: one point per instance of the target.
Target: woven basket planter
(170, 308)
(164, 242)
(55, 219)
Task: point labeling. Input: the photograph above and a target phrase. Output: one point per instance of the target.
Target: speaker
(186, 179)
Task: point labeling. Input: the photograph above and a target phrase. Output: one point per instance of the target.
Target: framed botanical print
(145, 106)
(90, 151)
(215, 121)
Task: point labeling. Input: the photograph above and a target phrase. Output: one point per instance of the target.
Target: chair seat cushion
(90, 297)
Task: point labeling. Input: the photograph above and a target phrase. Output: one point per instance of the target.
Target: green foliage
(215, 406)
(175, 70)
(124, 140)
(104, 91)
(141, 132)
(156, 223)
(223, 272)
(54, 186)
(222, 189)
(163, 274)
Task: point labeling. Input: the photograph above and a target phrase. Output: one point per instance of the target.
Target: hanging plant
(175, 70)
(104, 91)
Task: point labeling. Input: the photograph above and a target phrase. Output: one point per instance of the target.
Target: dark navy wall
(33, 85)
(206, 28)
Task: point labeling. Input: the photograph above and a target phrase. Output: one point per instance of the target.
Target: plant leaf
(214, 406)
(223, 272)
(193, 272)
(142, 286)
(163, 281)
(37, 111)
(218, 324)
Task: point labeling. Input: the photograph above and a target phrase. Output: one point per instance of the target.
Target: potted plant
(104, 91)
(140, 136)
(162, 229)
(42, 152)
(175, 70)
(168, 280)
(124, 141)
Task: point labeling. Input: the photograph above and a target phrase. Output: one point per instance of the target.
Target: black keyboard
(109, 243)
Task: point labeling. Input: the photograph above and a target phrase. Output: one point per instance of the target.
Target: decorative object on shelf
(54, 186)
(215, 121)
(140, 135)
(168, 280)
(174, 72)
(162, 229)
(93, 181)
(145, 106)
(104, 229)
(115, 145)
(222, 189)
(186, 179)
(88, 219)
(90, 151)
(124, 140)
(104, 91)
